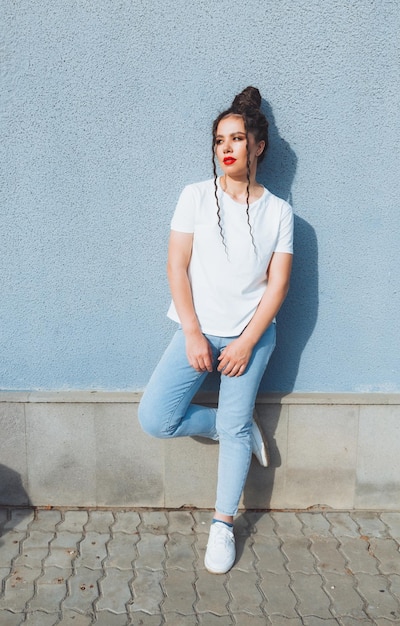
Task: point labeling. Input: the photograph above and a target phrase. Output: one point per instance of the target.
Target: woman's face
(231, 147)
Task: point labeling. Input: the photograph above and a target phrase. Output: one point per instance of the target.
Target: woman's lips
(229, 161)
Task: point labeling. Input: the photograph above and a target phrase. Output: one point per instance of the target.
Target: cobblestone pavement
(124, 567)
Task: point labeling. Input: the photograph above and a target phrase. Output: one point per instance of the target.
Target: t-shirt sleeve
(184, 216)
(285, 235)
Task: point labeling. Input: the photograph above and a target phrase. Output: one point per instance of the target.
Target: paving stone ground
(145, 568)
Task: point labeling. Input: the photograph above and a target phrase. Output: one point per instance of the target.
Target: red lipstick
(229, 161)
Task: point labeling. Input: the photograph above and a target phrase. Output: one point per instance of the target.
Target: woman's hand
(234, 359)
(198, 351)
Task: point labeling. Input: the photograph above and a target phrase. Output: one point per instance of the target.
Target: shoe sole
(211, 571)
(265, 442)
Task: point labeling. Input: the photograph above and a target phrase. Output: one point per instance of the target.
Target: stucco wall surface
(106, 114)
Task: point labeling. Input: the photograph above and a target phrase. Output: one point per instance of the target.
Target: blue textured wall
(107, 109)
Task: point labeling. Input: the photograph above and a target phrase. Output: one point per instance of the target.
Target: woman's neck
(237, 189)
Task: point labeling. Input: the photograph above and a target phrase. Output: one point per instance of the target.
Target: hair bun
(248, 99)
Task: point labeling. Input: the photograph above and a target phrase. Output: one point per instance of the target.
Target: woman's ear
(260, 148)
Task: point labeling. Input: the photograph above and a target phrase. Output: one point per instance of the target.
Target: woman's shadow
(14, 504)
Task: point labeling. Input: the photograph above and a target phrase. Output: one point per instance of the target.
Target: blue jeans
(166, 410)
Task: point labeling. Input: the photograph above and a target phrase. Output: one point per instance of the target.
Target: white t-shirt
(228, 284)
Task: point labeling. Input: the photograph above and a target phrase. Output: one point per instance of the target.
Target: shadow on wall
(12, 493)
(298, 315)
(296, 319)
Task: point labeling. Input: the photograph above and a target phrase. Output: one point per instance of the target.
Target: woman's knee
(149, 420)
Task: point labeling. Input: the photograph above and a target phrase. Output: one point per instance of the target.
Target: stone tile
(181, 620)
(74, 521)
(287, 524)
(345, 599)
(13, 467)
(130, 469)
(51, 590)
(3, 518)
(62, 436)
(155, 522)
(394, 581)
(55, 576)
(11, 546)
(4, 573)
(147, 591)
(115, 590)
(350, 621)
(72, 618)
(83, 590)
(185, 459)
(180, 593)
(180, 522)
(92, 550)
(151, 549)
(122, 550)
(392, 520)
(342, 525)
(245, 555)
(126, 522)
(11, 619)
(202, 521)
(387, 552)
(200, 548)
(315, 525)
(41, 618)
(19, 519)
(328, 557)
(377, 471)
(278, 620)
(359, 558)
(318, 472)
(106, 618)
(313, 601)
(369, 524)
(180, 551)
(242, 526)
(208, 619)
(297, 552)
(19, 588)
(379, 601)
(99, 522)
(213, 596)
(246, 597)
(34, 549)
(261, 523)
(319, 621)
(269, 555)
(63, 550)
(46, 520)
(265, 487)
(280, 597)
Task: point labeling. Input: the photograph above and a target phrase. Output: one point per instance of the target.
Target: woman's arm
(198, 349)
(234, 359)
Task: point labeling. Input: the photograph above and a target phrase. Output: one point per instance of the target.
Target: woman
(229, 263)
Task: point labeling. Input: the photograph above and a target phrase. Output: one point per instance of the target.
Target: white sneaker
(221, 552)
(259, 444)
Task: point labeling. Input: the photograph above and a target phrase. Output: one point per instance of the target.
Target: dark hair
(246, 104)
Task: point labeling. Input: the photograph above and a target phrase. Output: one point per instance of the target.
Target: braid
(248, 186)
(217, 201)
